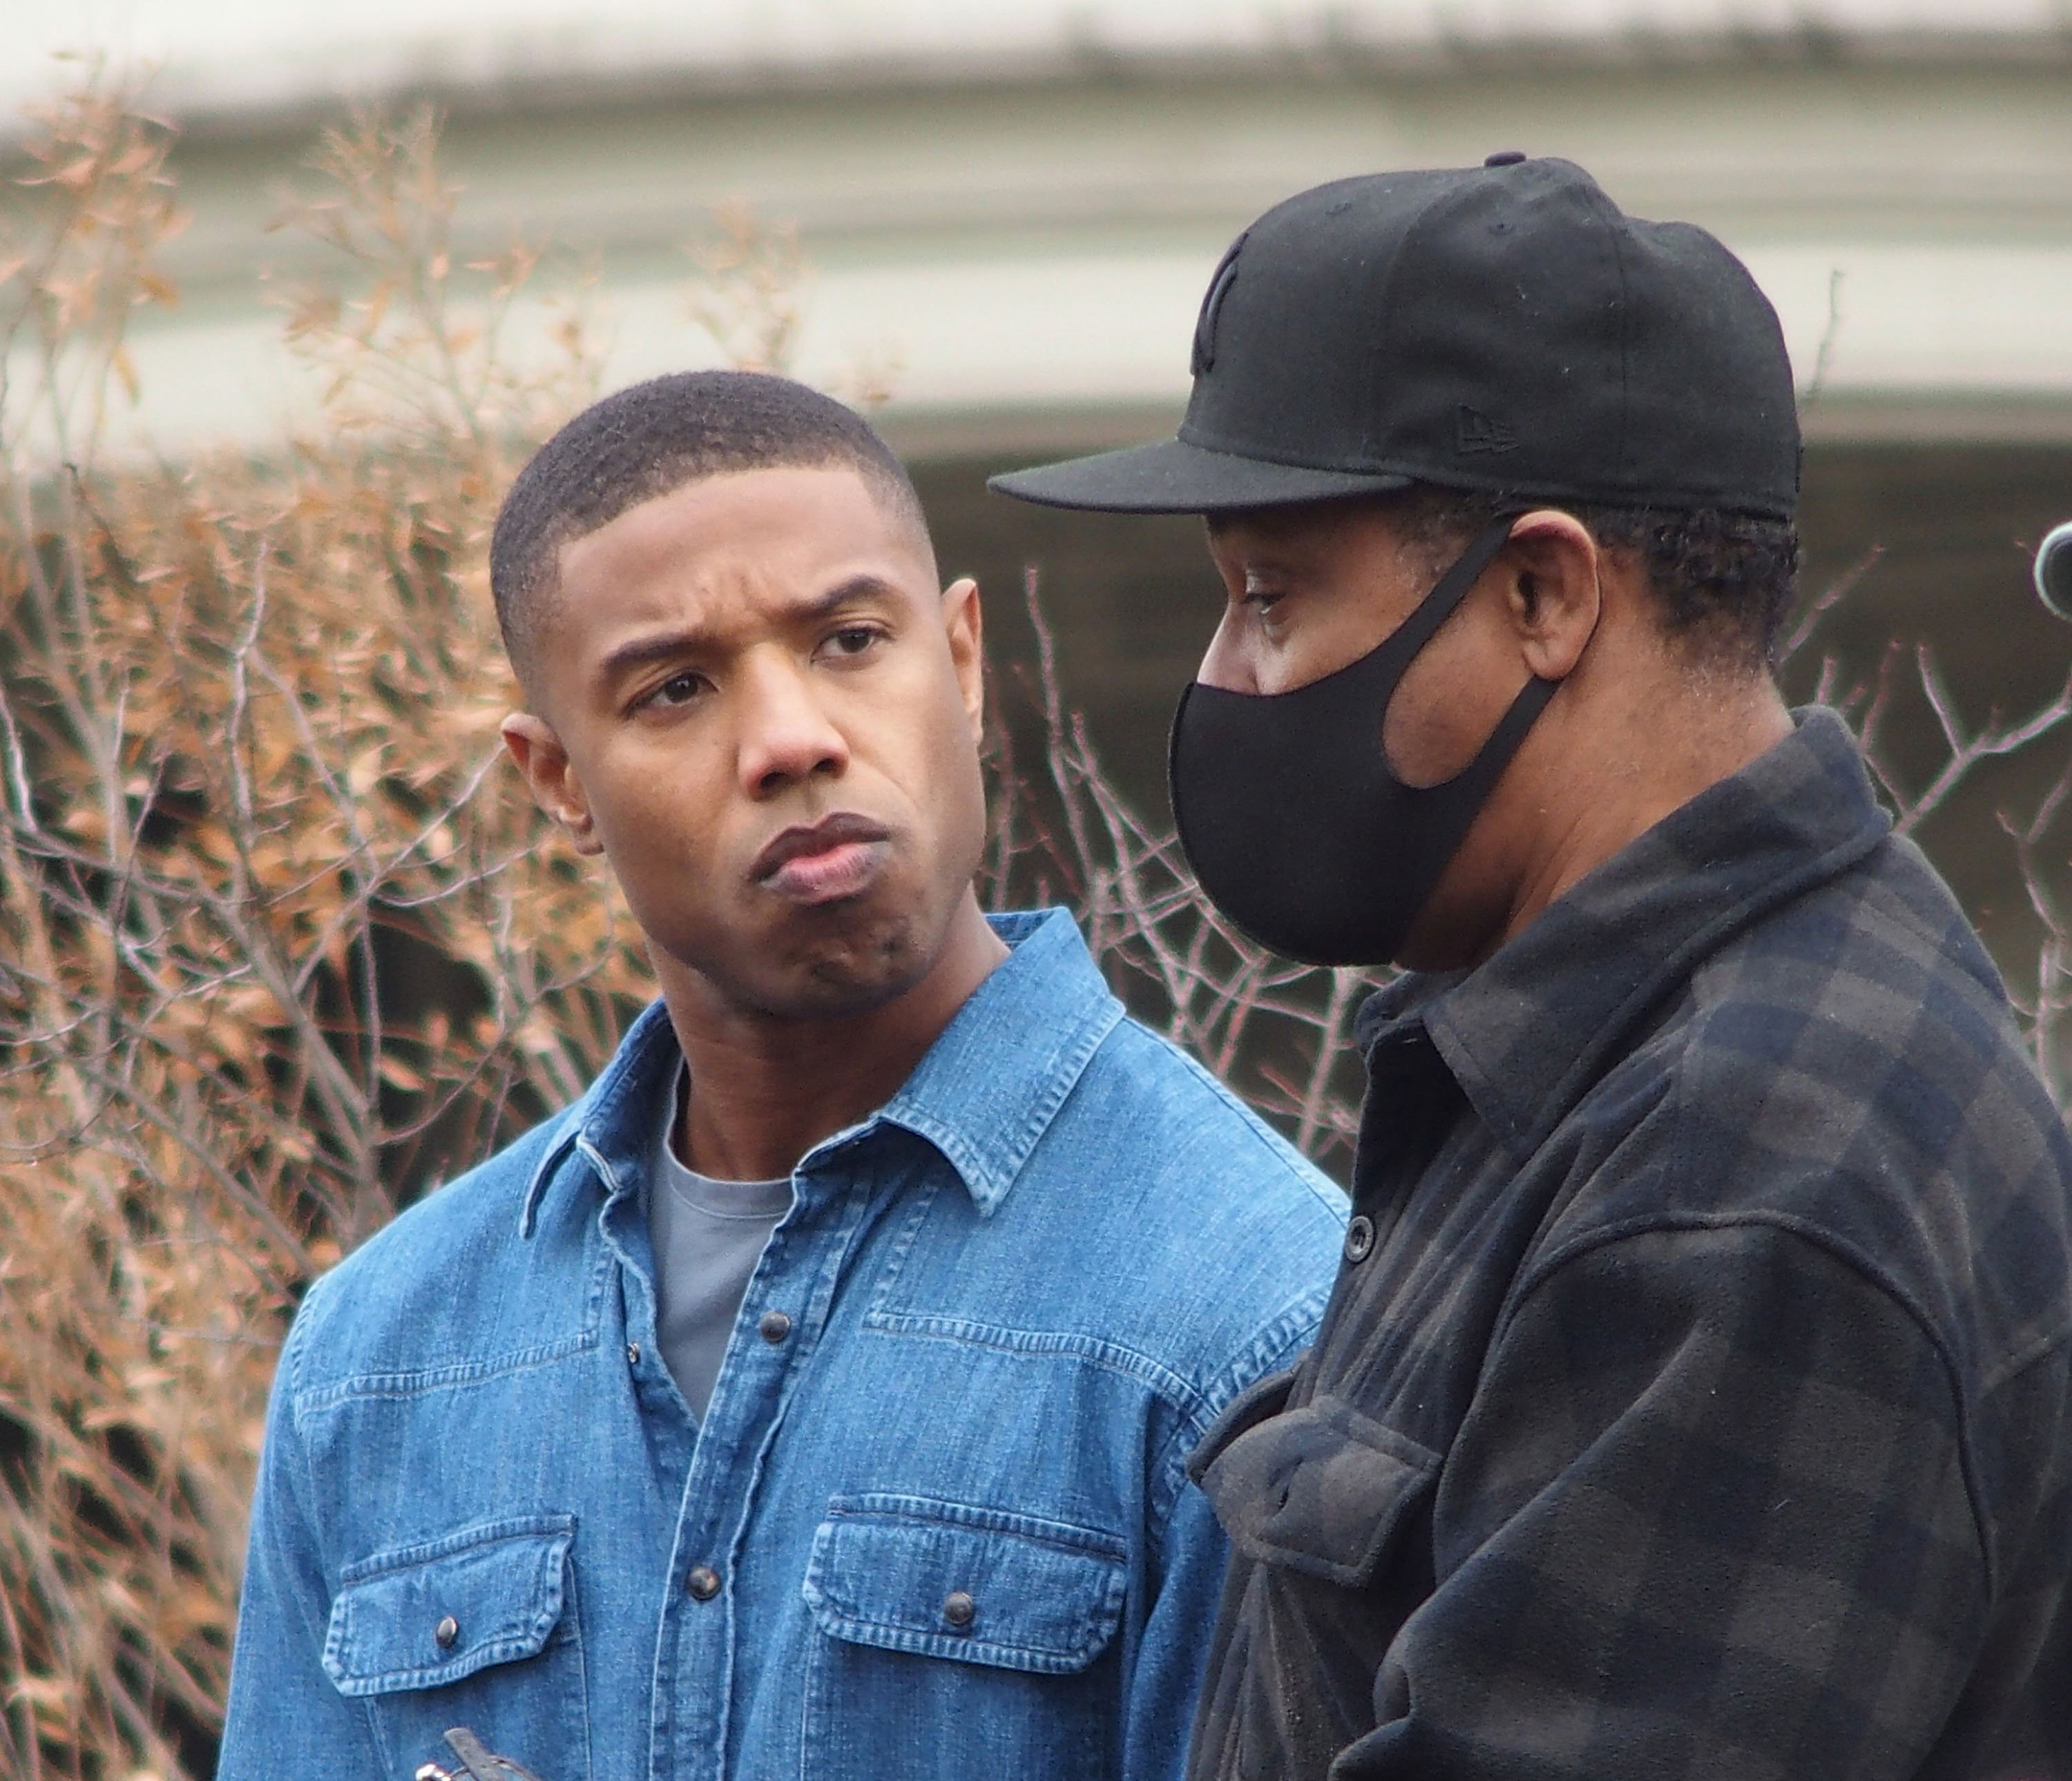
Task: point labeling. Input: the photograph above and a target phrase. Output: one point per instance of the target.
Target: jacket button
(774, 1326)
(703, 1583)
(959, 1609)
(1359, 1238)
(446, 1632)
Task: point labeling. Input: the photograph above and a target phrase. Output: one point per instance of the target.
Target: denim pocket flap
(945, 1580)
(1319, 1488)
(423, 1615)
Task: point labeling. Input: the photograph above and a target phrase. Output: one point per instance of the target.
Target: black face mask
(1295, 826)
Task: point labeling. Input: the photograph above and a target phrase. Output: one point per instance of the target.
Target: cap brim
(1174, 477)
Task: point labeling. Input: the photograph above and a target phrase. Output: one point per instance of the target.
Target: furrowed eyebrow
(856, 587)
(641, 650)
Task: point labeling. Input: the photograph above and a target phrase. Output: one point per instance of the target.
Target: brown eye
(679, 689)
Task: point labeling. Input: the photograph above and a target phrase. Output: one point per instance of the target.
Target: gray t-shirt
(707, 1236)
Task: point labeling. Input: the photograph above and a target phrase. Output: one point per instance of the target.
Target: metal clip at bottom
(476, 1763)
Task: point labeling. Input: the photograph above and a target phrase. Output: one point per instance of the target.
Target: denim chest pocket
(1321, 1488)
(478, 1627)
(977, 1633)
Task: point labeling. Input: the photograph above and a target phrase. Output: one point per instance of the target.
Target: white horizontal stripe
(228, 54)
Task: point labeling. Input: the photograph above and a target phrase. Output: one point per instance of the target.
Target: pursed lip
(841, 830)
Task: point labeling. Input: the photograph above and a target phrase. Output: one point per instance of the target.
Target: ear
(1553, 589)
(555, 785)
(964, 626)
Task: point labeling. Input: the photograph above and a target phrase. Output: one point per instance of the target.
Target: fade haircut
(650, 440)
(1724, 583)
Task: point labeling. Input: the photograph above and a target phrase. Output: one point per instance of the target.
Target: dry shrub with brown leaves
(280, 944)
(270, 952)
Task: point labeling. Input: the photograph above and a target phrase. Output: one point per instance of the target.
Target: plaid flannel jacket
(1693, 1398)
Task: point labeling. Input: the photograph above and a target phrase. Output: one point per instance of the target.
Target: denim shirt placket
(721, 1463)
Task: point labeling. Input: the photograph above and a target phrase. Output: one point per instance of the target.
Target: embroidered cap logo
(1476, 432)
(1204, 356)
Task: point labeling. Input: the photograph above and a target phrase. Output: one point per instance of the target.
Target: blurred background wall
(1009, 209)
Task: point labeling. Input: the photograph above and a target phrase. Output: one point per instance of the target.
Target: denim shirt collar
(988, 1089)
(983, 1094)
(1526, 1033)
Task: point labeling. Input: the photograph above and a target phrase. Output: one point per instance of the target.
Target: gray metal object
(476, 1763)
(2053, 570)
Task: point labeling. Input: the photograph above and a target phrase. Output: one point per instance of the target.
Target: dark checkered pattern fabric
(1699, 1408)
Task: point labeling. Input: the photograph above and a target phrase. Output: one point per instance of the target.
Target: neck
(1650, 762)
(766, 1089)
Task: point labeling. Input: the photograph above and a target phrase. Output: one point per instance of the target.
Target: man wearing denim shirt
(1696, 1399)
(812, 1398)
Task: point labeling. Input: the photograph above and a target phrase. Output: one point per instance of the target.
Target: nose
(786, 736)
(1229, 662)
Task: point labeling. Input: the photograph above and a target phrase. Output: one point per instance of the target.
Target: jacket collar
(983, 1094)
(1528, 1031)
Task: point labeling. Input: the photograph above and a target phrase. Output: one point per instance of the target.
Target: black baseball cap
(1504, 327)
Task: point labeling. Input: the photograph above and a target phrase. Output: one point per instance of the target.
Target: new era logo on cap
(1475, 431)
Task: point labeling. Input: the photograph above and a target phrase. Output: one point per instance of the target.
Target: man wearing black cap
(1693, 1398)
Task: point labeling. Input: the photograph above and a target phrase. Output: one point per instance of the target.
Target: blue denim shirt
(936, 1522)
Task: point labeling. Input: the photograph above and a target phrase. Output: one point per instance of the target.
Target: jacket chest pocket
(1320, 1489)
(477, 1628)
(974, 1634)
(1319, 1501)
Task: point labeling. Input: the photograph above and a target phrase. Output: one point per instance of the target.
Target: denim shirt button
(446, 1632)
(703, 1583)
(960, 1610)
(633, 1354)
(774, 1326)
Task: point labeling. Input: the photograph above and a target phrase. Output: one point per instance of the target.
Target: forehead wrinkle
(730, 583)
(693, 637)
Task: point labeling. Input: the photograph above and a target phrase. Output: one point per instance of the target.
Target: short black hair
(1724, 582)
(651, 438)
